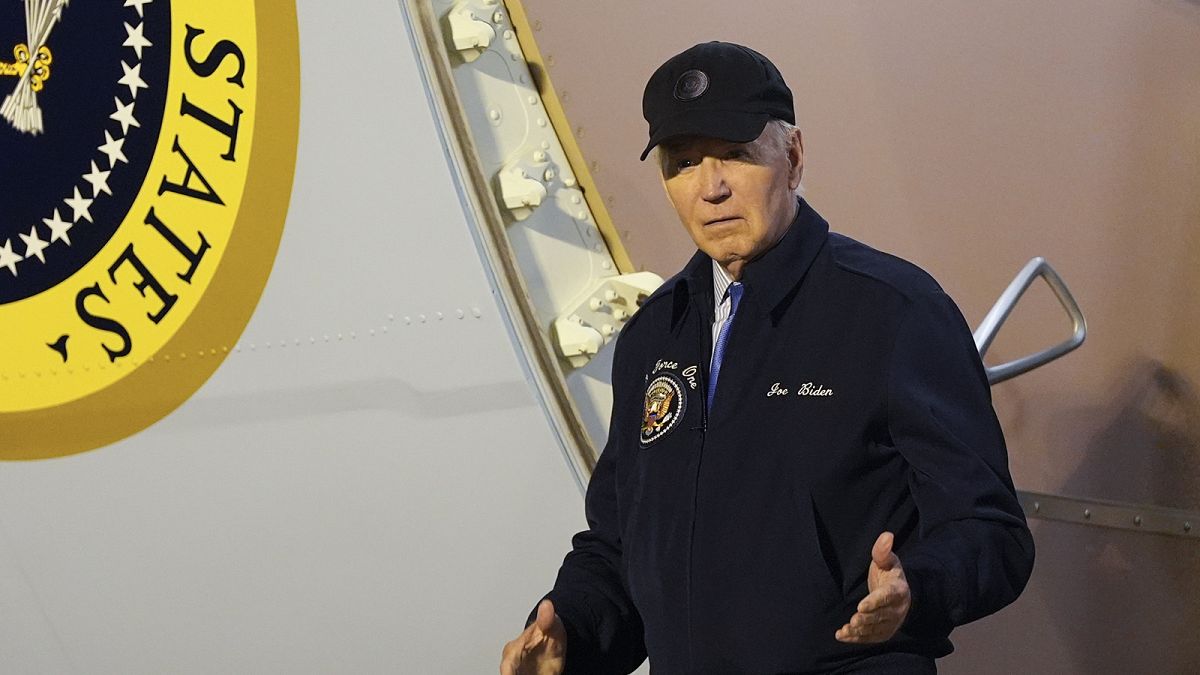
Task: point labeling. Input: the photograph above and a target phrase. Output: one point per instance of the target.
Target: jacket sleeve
(973, 552)
(604, 629)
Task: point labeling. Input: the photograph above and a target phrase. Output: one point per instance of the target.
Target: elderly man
(804, 472)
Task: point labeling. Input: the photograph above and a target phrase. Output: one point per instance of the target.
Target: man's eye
(683, 163)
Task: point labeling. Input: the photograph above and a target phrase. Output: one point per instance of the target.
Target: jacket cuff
(930, 612)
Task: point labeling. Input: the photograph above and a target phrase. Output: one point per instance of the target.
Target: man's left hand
(881, 613)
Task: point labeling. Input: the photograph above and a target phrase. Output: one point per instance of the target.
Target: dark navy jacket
(737, 539)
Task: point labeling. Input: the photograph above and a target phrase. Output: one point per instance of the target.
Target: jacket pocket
(827, 549)
(820, 551)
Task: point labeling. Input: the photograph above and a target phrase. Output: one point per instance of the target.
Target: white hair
(776, 139)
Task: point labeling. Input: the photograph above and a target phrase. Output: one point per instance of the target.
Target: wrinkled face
(736, 200)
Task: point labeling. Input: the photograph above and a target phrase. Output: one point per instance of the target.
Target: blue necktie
(735, 295)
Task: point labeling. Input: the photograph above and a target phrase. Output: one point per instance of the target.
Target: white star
(112, 148)
(124, 115)
(34, 244)
(132, 78)
(138, 5)
(8, 258)
(98, 179)
(136, 40)
(80, 206)
(58, 228)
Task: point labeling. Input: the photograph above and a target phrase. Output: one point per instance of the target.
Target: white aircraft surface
(306, 340)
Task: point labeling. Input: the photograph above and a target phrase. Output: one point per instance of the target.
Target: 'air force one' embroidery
(664, 405)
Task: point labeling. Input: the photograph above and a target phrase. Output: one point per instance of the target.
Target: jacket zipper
(696, 487)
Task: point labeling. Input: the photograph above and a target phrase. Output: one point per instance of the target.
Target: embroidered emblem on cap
(665, 403)
(691, 85)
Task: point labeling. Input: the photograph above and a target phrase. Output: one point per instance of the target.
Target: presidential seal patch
(149, 147)
(691, 85)
(663, 407)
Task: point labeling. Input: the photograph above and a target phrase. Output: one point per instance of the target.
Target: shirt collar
(721, 282)
(770, 278)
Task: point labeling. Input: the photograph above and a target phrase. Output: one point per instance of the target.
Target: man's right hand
(541, 649)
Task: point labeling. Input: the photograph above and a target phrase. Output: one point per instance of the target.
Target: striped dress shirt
(722, 305)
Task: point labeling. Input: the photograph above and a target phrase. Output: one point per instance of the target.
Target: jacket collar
(769, 279)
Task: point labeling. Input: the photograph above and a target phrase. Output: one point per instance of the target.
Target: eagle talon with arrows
(32, 66)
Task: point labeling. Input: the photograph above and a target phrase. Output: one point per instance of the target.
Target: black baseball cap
(715, 89)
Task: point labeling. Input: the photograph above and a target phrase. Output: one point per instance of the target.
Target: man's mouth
(718, 221)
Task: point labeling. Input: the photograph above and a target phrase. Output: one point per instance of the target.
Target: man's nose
(713, 186)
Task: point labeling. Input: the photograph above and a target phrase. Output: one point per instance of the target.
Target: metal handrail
(990, 326)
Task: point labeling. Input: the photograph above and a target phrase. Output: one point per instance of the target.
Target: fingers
(881, 552)
(508, 664)
(550, 625)
(851, 634)
(514, 653)
(869, 628)
(879, 598)
(894, 596)
(879, 615)
(545, 616)
(862, 634)
(541, 646)
(511, 656)
(864, 620)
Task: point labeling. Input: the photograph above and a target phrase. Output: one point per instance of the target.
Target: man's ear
(795, 159)
(662, 180)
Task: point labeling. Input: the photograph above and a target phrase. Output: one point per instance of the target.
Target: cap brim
(736, 127)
